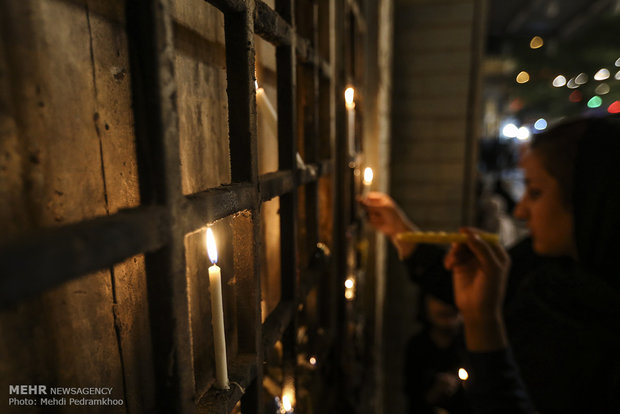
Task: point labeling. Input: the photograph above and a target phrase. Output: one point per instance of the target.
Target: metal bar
(151, 52)
(286, 63)
(214, 204)
(228, 6)
(242, 373)
(240, 69)
(35, 263)
(282, 182)
(276, 323)
(270, 26)
(241, 96)
(311, 139)
(276, 184)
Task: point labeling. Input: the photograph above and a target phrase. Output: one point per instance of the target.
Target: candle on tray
(217, 315)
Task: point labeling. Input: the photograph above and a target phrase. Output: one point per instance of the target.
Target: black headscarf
(584, 156)
(596, 198)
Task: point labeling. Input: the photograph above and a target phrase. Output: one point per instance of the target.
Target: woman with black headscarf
(559, 314)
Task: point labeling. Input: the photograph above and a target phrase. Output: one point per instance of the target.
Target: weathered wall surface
(67, 153)
(434, 105)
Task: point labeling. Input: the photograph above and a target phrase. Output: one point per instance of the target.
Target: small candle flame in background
(463, 375)
(211, 247)
(349, 283)
(349, 291)
(312, 361)
(286, 403)
(349, 96)
(368, 176)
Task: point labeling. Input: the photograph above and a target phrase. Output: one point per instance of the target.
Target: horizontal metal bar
(270, 26)
(242, 371)
(227, 6)
(34, 263)
(277, 322)
(282, 182)
(275, 184)
(216, 203)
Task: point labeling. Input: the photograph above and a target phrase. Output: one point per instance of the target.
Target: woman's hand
(479, 272)
(385, 216)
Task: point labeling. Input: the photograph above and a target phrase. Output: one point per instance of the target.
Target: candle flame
(211, 248)
(312, 360)
(368, 176)
(349, 283)
(463, 374)
(349, 95)
(286, 403)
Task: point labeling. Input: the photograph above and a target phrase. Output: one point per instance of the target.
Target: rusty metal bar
(35, 263)
(228, 6)
(270, 26)
(243, 144)
(286, 64)
(277, 322)
(242, 372)
(216, 203)
(241, 96)
(151, 52)
(276, 184)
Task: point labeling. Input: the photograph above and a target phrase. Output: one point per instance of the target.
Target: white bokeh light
(523, 133)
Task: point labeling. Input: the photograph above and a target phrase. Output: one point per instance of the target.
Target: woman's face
(549, 220)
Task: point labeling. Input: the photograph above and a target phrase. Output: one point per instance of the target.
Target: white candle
(217, 315)
(349, 98)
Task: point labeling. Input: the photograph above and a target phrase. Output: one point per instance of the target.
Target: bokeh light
(602, 89)
(523, 77)
(536, 42)
(510, 130)
(581, 79)
(523, 133)
(571, 84)
(595, 102)
(575, 96)
(614, 108)
(540, 124)
(602, 74)
(559, 81)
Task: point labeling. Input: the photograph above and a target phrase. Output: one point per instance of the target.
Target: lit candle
(349, 99)
(349, 285)
(217, 315)
(287, 402)
(463, 375)
(368, 176)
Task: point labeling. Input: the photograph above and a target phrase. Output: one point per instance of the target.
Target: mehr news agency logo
(42, 395)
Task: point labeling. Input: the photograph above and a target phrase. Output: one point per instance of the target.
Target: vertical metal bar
(312, 136)
(287, 150)
(240, 69)
(342, 184)
(151, 50)
(240, 63)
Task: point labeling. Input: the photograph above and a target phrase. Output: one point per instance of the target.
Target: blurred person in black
(434, 358)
